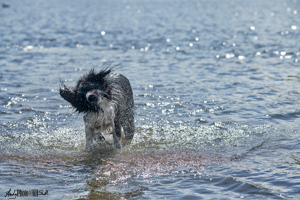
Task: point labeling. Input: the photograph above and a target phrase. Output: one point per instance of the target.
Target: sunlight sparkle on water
(258, 53)
(229, 55)
(29, 47)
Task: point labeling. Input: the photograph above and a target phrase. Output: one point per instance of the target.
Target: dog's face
(90, 94)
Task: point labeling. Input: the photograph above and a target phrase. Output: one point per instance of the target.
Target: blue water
(216, 89)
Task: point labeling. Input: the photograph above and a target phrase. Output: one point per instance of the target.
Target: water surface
(216, 89)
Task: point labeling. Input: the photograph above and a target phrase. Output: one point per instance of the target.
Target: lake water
(216, 89)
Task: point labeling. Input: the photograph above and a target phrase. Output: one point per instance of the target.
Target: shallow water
(216, 89)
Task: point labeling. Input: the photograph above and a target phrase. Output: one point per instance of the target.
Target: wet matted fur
(106, 100)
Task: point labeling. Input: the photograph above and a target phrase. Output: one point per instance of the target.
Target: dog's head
(90, 93)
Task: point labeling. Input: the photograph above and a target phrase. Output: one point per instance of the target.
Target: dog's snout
(91, 98)
(95, 96)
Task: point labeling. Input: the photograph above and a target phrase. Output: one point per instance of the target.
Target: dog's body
(106, 99)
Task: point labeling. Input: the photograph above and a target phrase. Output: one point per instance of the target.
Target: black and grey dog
(106, 100)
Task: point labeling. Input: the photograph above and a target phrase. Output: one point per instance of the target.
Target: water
(216, 89)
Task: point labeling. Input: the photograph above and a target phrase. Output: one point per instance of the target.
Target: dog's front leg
(89, 135)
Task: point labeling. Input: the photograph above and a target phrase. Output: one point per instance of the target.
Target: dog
(106, 100)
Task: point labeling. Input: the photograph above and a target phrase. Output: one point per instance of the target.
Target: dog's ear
(67, 93)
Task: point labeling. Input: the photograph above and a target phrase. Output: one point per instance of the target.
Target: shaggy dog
(106, 100)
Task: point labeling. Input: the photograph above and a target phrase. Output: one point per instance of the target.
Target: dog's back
(122, 95)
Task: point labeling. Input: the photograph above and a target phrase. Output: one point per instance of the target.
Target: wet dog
(106, 100)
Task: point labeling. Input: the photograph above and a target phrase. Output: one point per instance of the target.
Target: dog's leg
(129, 127)
(89, 136)
(128, 121)
(117, 135)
